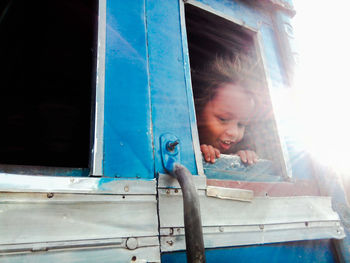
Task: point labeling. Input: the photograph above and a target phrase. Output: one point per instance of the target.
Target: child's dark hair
(236, 69)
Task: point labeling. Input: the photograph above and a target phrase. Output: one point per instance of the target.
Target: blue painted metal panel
(170, 106)
(303, 252)
(239, 10)
(300, 160)
(127, 129)
(261, 21)
(330, 183)
(231, 168)
(273, 61)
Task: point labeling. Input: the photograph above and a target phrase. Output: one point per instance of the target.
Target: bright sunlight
(322, 85)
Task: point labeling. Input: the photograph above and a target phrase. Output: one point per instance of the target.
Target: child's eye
(241, 125)
(224, 120)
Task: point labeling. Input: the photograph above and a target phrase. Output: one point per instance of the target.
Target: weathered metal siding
(128, 150)
(78, 220)
(170, 105)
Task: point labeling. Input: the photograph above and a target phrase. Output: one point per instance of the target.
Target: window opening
(47, 65)
(233, 107)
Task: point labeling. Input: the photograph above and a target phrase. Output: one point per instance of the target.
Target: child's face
(222, 121)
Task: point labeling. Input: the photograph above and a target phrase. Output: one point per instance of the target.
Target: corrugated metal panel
(35, 217)
(88, 255)
(128, 151)
(264, 220)
(21, 183)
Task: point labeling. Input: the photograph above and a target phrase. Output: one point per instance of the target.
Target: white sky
(323, 81)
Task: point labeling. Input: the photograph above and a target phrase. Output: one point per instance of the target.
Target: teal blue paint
(128, 148)
(170, 105)
(293, 252)
(273, 60)
(300, 160)
(84, 172)
(44, 170)
(233, 169)
(331, 183)
(242, 11)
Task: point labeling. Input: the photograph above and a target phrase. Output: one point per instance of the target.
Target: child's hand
(248, 157)
(210, 153)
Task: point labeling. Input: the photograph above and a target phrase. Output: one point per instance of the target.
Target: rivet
(167, 191)
(170, 242)
(170, 146)
(126, 188)
(176, 190)
(131, 243)
(50, 195)
(221, 229)
(261, 227)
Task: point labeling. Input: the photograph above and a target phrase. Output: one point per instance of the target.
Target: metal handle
(170, 150)
(192, 214)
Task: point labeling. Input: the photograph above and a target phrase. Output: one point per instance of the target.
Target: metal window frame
(96, 156)
(258, 44)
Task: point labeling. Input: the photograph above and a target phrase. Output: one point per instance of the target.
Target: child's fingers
(212, 153)
(256, 157)
(243, 156)
(247, 156)
(205, 152)
(217, 153)
(250, 157)
(209, 153)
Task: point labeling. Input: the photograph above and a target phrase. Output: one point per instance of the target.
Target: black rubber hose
(192, 215)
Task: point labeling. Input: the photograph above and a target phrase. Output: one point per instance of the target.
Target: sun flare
(322, 84)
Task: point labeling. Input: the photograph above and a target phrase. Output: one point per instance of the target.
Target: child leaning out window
(225, 105)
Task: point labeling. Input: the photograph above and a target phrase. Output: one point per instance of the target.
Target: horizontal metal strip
(168, 181)
(137, 242)
(255, 228)
(263, 234)
(87, 255)
(61, 220)
(295, 188)
(178, 192)
(262, 210)
(212, 10)
(12, 198)
(61, 184)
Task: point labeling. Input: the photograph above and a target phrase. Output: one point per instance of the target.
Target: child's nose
(232, 131)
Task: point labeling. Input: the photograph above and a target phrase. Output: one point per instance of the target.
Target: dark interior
(47, 67)
(209, 35)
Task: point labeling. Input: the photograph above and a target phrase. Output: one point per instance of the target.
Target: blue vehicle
(101, 158)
